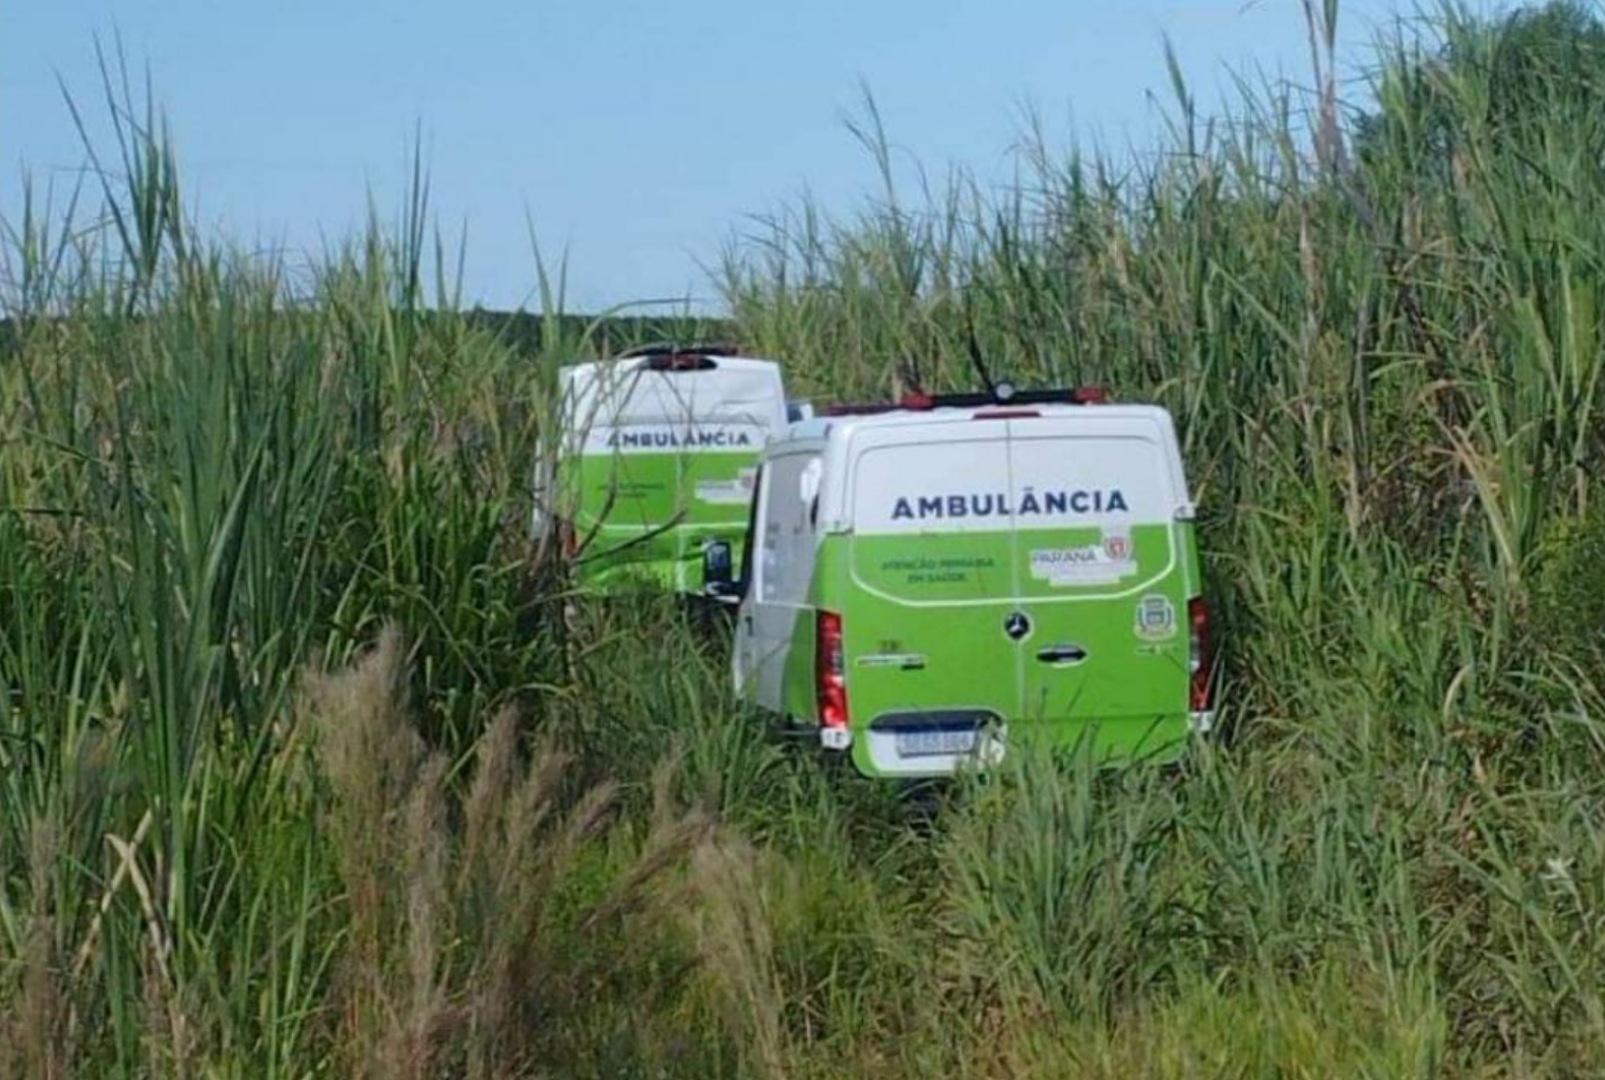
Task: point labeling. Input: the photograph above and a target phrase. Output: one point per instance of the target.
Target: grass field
(304, 770)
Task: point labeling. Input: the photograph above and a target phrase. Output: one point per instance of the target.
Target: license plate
(929, 741)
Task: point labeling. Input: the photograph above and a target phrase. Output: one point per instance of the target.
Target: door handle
(1062, 654)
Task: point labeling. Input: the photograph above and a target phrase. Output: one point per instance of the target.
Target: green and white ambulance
(655, 461)
(930, 583)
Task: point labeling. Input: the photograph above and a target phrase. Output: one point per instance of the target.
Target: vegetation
(309, 764)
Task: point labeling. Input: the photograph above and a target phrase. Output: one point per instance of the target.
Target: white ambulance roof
(591, 368)
(624, 390)
(843, 427)
(834, 435)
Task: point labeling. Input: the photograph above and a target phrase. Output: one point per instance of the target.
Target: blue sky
(637, 136)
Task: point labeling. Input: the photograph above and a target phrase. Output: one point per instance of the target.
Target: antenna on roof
(908, 376)
(977, 360)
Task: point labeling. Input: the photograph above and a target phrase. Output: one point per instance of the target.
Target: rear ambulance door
(674, 466)
(782, 567)
(1102, 578)
(930, 582)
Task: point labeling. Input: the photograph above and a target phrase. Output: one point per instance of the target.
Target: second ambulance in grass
(655, 461)
(929, 583)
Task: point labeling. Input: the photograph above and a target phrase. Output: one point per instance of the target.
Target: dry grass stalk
(32, 1042)
(426, 1018)
(370, 756)
(420, 891)
(675, 834)
(729, 920)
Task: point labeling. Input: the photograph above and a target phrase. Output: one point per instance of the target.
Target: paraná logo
(1117, 548)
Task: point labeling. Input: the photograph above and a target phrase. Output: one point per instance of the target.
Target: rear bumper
(1156, 740)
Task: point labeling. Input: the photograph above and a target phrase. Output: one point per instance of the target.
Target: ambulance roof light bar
(669, 348)
(677, 358)
(1004, 393)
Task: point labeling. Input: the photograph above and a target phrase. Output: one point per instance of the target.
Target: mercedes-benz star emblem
(1017, 624)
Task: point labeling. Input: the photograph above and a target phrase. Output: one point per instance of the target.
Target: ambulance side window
(751, 538)
(771, 570)
(786, 553)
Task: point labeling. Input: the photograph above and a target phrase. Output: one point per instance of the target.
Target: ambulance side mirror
(718, 573)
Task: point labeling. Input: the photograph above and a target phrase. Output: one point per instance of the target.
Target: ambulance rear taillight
(1200, 658)
(830, 672)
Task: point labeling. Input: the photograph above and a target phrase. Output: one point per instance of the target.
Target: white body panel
(1129, 449)
(728, 405)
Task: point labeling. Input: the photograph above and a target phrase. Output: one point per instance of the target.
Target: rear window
(928, 520)
(1066, 479)
(1093, 513)
(709, 398)
(787, 562)
(945, 486)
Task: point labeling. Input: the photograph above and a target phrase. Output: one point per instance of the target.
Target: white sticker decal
(737, 492)
(1156, 618)
(1094, 564)
(909, 661)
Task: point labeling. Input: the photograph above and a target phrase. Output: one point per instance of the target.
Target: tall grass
(311, 764)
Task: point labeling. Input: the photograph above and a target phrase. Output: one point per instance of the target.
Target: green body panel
(649, 516)
(797, 686)
(923, 629)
